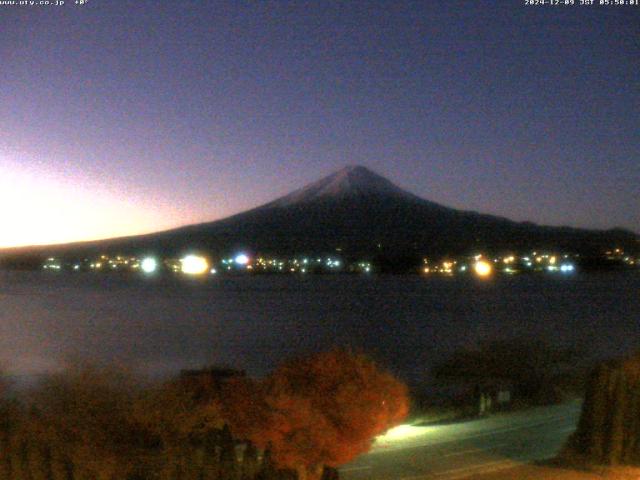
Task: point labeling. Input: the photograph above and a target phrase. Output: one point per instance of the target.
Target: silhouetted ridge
(360, 214)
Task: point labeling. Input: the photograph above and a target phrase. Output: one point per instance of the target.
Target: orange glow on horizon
(41, 210)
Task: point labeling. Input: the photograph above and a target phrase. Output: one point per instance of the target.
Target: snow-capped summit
(351, 181)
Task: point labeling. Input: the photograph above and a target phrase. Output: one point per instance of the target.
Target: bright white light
(213, 271)
(194, 265)
(483, 268)
(149, 265)
(241, 259)
(402, 432)
(567, 268)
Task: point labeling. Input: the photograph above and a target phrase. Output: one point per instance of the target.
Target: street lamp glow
(482, 268)
(567, 268)
(402, 433)
(241, 259)
(194, 265)
(149, 265)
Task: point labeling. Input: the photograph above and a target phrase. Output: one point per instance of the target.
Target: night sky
(122, 117)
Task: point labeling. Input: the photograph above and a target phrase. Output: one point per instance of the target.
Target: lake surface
(407, 322)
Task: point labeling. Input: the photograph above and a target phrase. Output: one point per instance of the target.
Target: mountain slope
(353, 181)
(358, 213)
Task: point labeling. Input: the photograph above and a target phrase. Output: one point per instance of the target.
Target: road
(462, 450)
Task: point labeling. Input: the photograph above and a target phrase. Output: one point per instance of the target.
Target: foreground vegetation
(310, 415)
(531, 371)
(609, 429)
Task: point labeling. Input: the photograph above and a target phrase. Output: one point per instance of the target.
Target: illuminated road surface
(465, 449)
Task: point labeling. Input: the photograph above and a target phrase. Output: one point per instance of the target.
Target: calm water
(252, 322)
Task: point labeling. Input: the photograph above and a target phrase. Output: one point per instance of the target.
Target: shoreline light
(241, 259)
(194, 265)
(149, 265)
(482, 268)
(567, 268)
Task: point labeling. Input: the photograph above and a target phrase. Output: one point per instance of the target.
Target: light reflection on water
(408, 322)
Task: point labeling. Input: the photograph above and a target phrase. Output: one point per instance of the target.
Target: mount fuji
(360, 214)
(348, 183)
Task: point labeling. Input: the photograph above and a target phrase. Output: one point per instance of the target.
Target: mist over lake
(252, 322)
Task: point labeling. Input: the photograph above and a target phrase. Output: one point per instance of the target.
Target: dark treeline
(537, 372)
(97, 424)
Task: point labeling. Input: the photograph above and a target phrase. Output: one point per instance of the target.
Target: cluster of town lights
(484, 267)
(196, 264)
(189, 265)
(480, 264)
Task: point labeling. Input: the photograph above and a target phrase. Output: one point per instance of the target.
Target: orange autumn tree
(316, 411)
